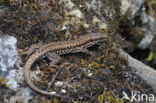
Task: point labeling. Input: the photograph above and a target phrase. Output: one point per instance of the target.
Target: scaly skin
(74, 46)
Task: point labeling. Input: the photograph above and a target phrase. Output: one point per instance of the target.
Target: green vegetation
(106, 97)
(3, 82)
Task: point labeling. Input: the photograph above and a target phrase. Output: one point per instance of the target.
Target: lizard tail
(27, 67)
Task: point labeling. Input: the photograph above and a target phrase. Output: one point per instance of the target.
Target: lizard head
(97, 36)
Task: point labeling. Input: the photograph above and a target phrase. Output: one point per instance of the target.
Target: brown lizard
(59, 48)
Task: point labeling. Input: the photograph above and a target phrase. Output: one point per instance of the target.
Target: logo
(138, 97)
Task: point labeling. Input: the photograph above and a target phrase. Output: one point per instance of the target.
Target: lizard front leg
(85, 50)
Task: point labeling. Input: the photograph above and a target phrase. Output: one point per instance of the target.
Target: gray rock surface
(146, 72)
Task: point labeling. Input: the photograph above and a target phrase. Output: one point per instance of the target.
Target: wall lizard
(60, 48)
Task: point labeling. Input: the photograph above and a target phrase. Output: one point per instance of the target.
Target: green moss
(69, 67)
(78, 102)
(150, 56)
(95, 62)
(151, 8)
(106, 97)
(3, 82)
(55, 100)
(4, 1)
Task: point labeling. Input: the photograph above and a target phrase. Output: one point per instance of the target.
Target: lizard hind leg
(32, 49)
(54, 58)
(85, 50)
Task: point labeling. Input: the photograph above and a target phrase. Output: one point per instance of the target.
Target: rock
(148, 27)
(146, 72)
